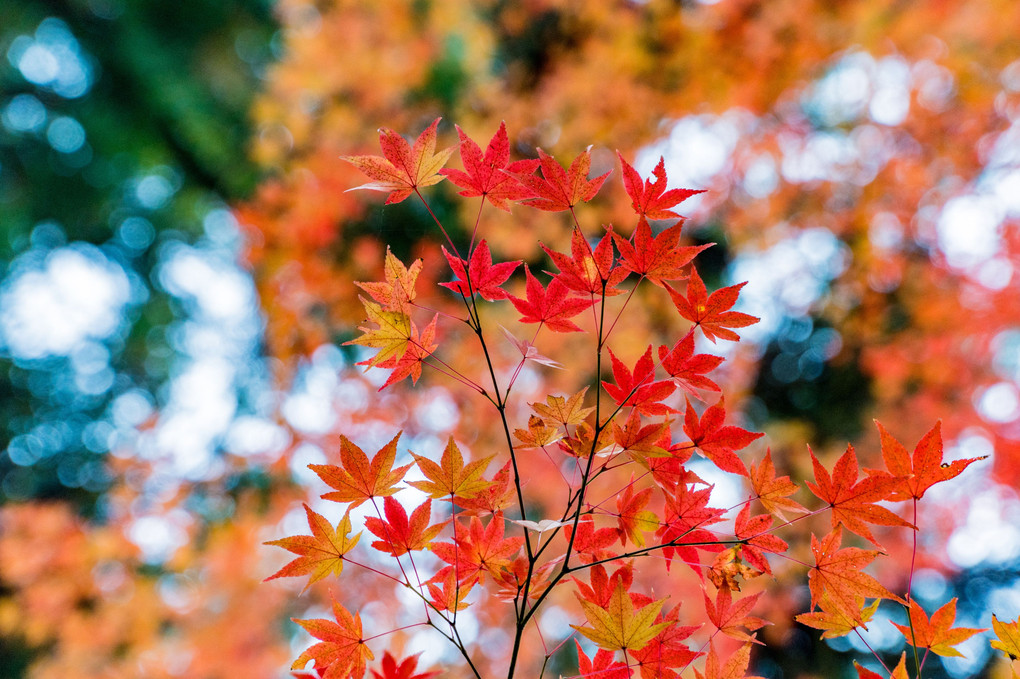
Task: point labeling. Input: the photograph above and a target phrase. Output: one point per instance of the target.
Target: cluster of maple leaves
(626, 425)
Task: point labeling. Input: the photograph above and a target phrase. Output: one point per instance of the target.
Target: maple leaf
(392, 336)
(405, 670)
(727, 568)
(711, 313)
(399, 534)
(687, 368)
(852, 501)
(834, 622)
(358, 480)
(451, 478)
(479, 550)
(642, 441)
(419, 347)
(754, 531)
(402, 169)
(772, 492)
(584, 442)
(922, 471)
(552, 306)
(560, 189)
(602, 585)
(936, 634)
(658, 259)
(397, 293)
(728, 617)
(840, 573)
(498, 495)
(683, 532)
(734, 666)
(602, 666)
(341, 650)
(565, 411)
(717, 442)
(451, 594)
(590, 544)
(320, 553)
(632, 517)
(538, 434)
(512, 580)
(651, 199)
(482, 277)
(638, 389)
(528, 350)
(666, 652)
(588, 271)
(491, 175)
(1008, 634)
(617, 625)
(899, 672)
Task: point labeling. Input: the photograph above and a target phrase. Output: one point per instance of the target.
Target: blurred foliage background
(178, 255)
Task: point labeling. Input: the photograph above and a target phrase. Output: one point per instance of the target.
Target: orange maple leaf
(478, 550)
(320, 553)
(563, 410)
(657, 258)
(853, 502)
(772, 492)
(834, 622)
(391, 338)
(840, 573)
(937, 633)
(633, 519)
(402, 169)
(900, 672)
(728, 618)
(451, 478)
(922, 471)
(341, 651)
(734, 667)
(397, 293)
(358, 480)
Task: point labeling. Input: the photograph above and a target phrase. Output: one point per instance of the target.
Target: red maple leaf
(688, 369)
(602, 666)
(358, 480)
(754, 531)
(936, 634)
(403, 168)
(711, 313)
(552, 306)
(716, 441)
(772, 492)
(400, 535)
(491, 175)
(482, 276)
(638, 389)
(341, 651)
(651, 199)
(853, 502)
(728, 617)
(591, 544)
(659, 258)
(405, 670)
(666, 653)
(588, 271)
(478, 550)
(684, 530)
(922, 471)
(559, 189)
